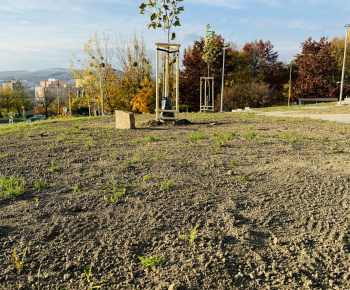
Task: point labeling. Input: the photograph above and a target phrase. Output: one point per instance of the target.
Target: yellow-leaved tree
(144, 100)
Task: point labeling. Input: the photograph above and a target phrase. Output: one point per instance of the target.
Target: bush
(253, 95)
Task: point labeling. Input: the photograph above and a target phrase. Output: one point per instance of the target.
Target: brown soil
(271, 203)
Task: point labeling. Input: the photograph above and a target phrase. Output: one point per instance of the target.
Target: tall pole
(58, 102)
(222, 84)
(343, 71)
(101, 73)
(290, 81)
(70, 108)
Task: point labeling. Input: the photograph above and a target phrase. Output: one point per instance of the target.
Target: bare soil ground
(270, 197)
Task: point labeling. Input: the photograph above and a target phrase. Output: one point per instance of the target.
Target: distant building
(52, 83)
(15, 85)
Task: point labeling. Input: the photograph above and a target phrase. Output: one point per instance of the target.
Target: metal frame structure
(167, 48)
(203, 99)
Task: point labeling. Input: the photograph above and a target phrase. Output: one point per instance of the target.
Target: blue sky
(40, 34)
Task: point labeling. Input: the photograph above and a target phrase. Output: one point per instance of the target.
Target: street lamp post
(101, 73)
(343, 71)
(290, 80)
(223, 75)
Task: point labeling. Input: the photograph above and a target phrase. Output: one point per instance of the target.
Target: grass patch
(167, 185)
(251, 135)
(12, 186)
(151, 262)
(55, 166)
(222, 139)
(38, 184)
(288, 137)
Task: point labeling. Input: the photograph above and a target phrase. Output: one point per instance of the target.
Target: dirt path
(327, 113)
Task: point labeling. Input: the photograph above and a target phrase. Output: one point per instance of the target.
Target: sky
(42, 34)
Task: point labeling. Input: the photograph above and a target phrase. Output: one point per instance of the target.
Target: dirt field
(268, 197)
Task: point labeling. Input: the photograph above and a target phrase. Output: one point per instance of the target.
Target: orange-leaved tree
(144, 100)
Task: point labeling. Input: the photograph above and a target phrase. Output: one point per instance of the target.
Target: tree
(338, 45)
(317, 70)
(99, 52)
(47, 99)
(211, 49)
(165, 16)
(13, 97)
(144, 100)
(194, 68)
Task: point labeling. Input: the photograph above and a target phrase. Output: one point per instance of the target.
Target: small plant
(75, 188)
(195, 136)
(89, 145)
(135, 159)
(251, 135)
(289, 137)
(88, 274)
(150, 139)
(127, 163)
(104, 136)
(184, 162)
(116, 169)
(12, 186)
(222, 139)
(146, 177)
(244, 177)
(192, 235)
(166, 185)
(74, 131)
(55, 166)
(234, 162)
(335, 150)
(159, 156)
(62, 136)
(51, 147)
(151, 261)
(38, 184)
(4, 155)
(19, 264)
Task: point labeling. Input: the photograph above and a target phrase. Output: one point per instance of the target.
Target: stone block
(124, 120)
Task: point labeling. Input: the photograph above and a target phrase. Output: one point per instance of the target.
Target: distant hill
(34, 77)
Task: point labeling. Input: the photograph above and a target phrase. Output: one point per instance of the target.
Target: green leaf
(173, 35)
(177, 23)
(143, 11)
(143, 6)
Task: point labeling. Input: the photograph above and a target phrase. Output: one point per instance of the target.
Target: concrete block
(124, 120)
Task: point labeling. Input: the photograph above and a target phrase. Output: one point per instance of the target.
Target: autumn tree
(13, 97)
(317, 70)
(91, 71)
(47, 99)
(338, 45)
(144, 100)
(134, 60)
